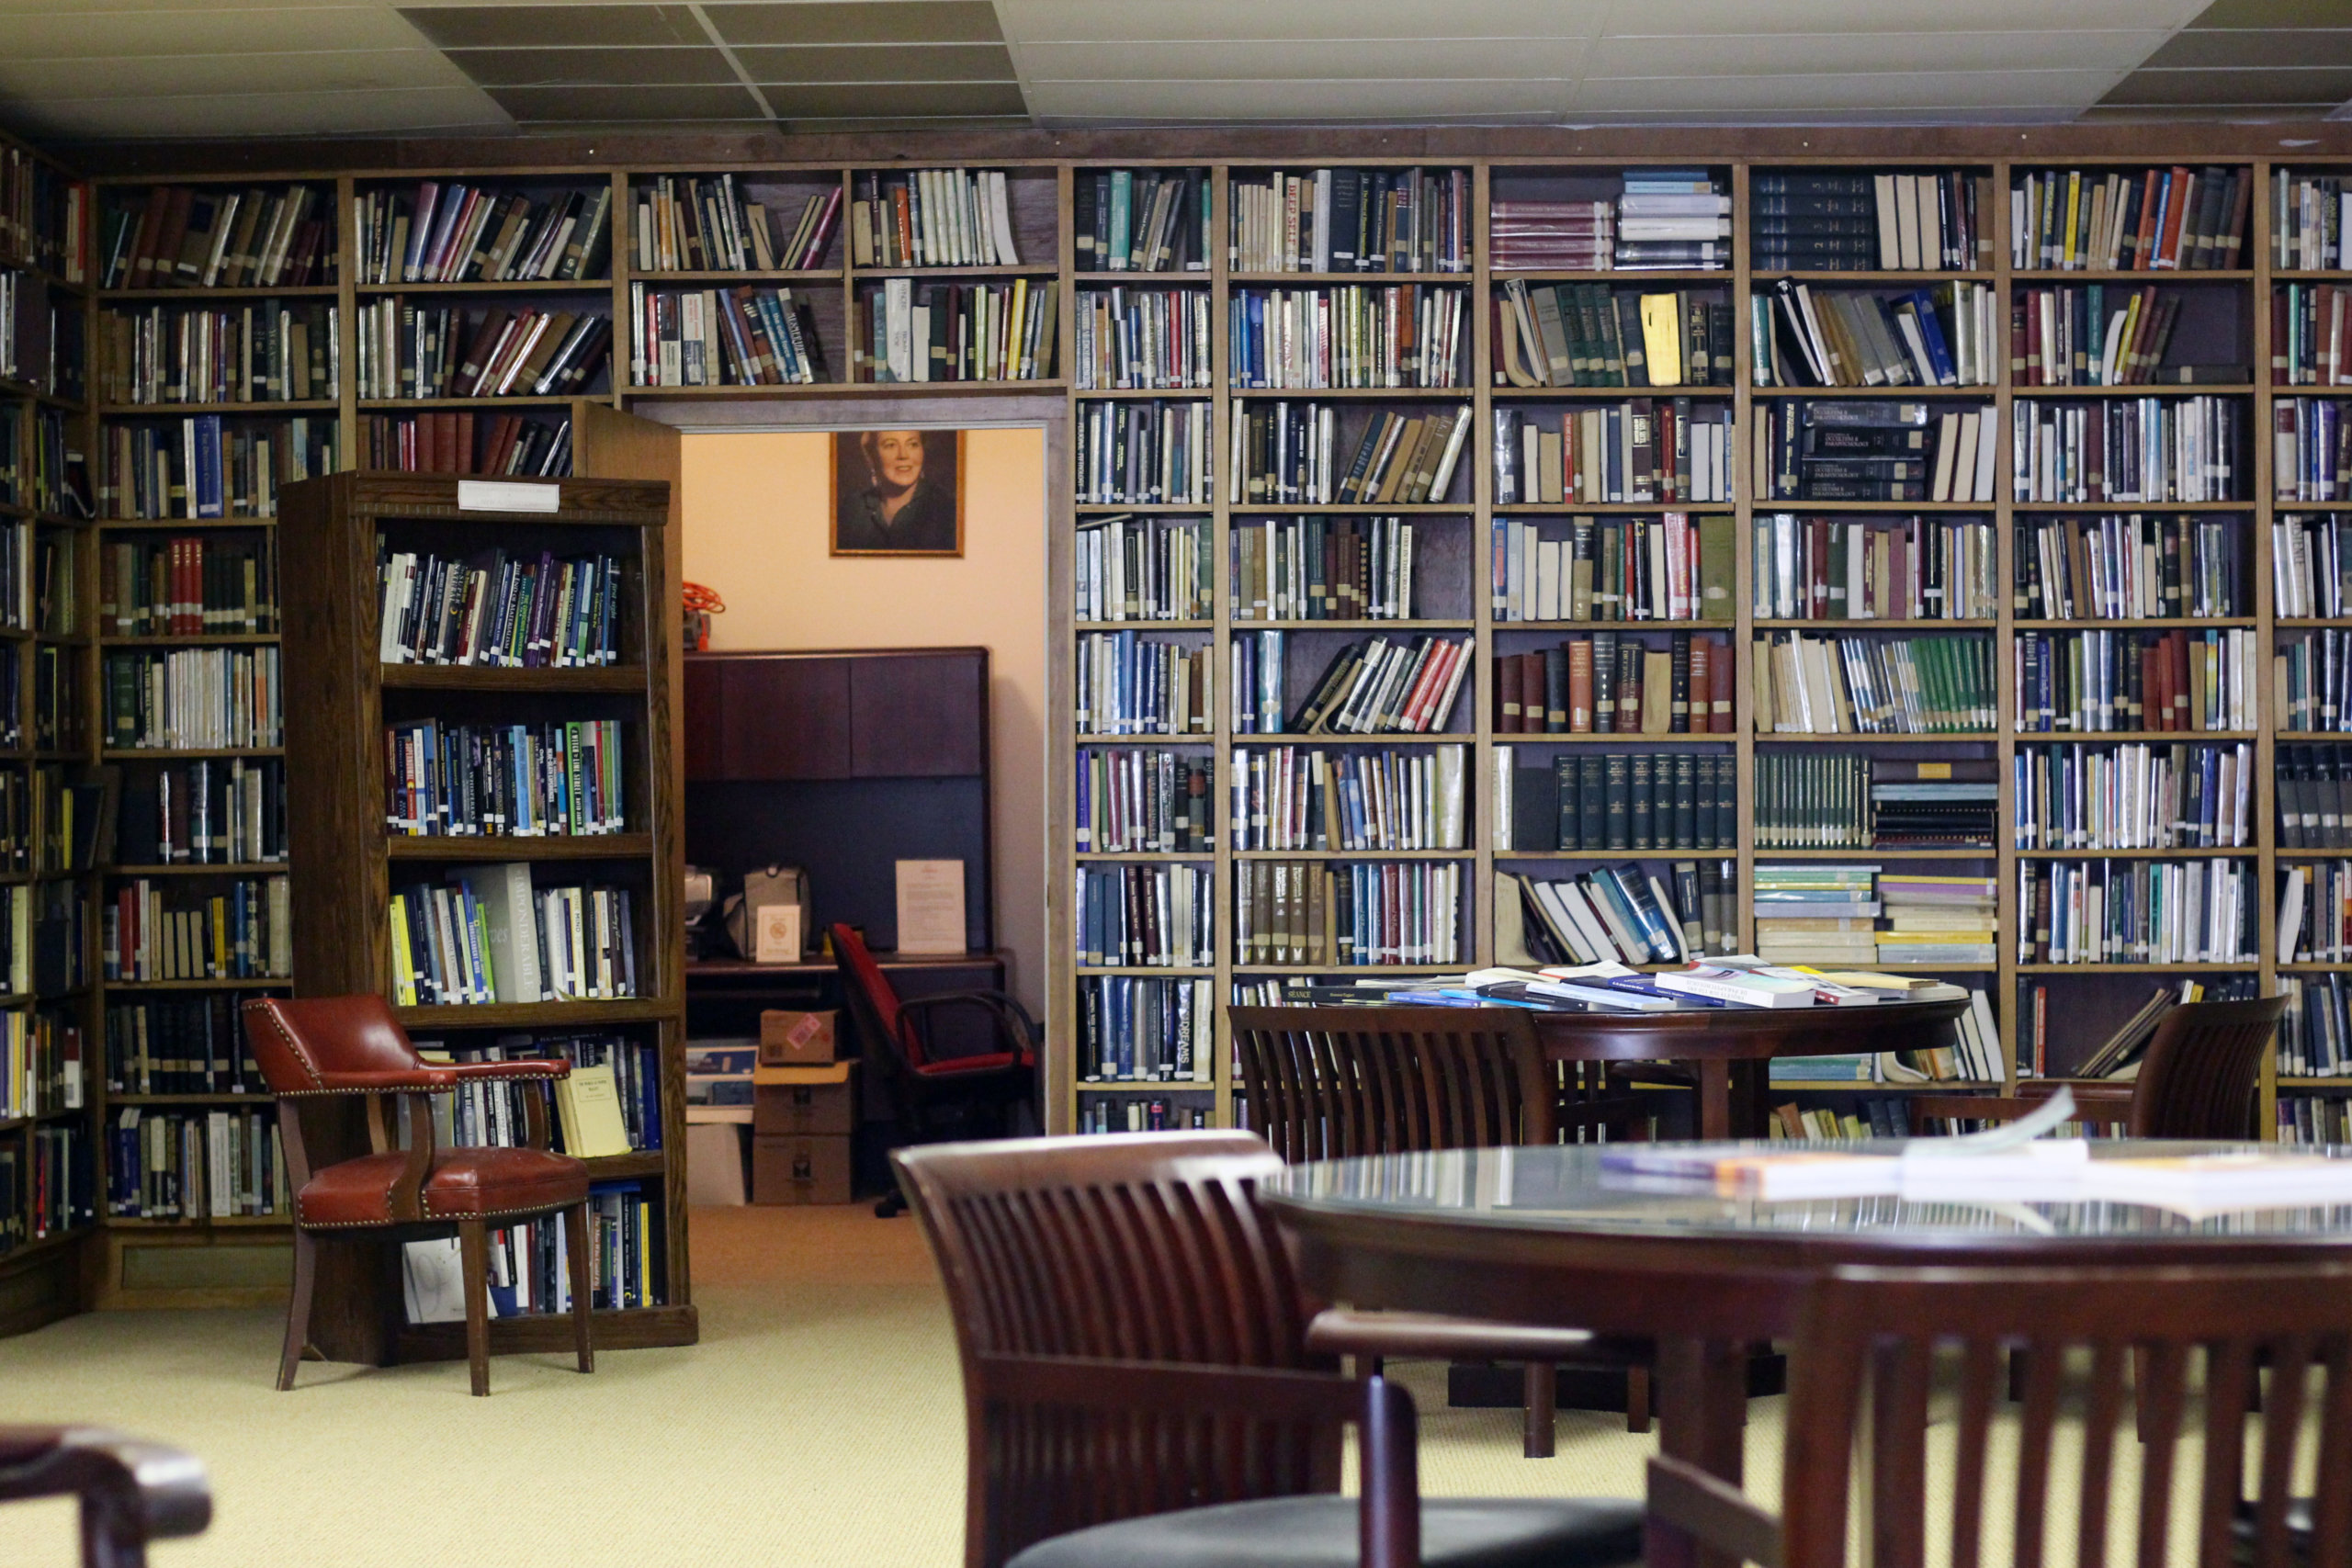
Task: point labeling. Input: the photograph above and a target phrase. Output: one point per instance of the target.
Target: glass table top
(1563, 1188)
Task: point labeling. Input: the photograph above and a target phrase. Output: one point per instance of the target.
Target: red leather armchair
(131, 1492)
(353, 1045)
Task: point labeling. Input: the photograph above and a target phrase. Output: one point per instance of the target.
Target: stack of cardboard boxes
(803, 1106)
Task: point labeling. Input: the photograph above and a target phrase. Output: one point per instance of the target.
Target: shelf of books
(409, 787)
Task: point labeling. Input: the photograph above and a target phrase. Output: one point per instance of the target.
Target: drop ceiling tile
(1815, 53)
(2280, 47)
(626, 103)
(892, 99)
(2238, 114)
(92, 33)
(854, 21)
(588, 67)
(529, 26)
(1293, 100)
(1092, 21)
(943, 123)
(878, 63)
(2034, 114)
(2271, 14)
(2329, 85)
(192, 76)
(215, 116)
(1847, 90)
(1353, 59)
(1671, 18)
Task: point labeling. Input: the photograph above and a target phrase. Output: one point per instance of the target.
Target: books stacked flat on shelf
(206, 466)
(1290, 797)
(1324, 568)
(457, 233)
(1379, 685)
(269, 351)
(1934, 805)
(557, 778)
(2174, 219)
(2314, 797)
(194, 698)
(1140, 220)
(2095, 681)
(1809, 220)
(1134, 1029)
(1641, 801)
(1148, 454)
(2137, 567)
(242, 930)
(1290, 454)
(1141, 340)
(1670, 568)
(744, 336)
(1837, 568)
(488, 935)
(1945, 336)
(685, 224)
(2311, 449)
(1349, 219)
(1133, 799)
(1127, 685)
(452, 442)
(1587, 335)
(932, 218)
(1358, 913)
(2141, 797)
(1874, 449)
(1672, 219)
(408, 350)
(1618, 684)
(949, 331)
(2136, 911)
(179, 1045)
(2146, 450)
(1806, 801)
(195, 1165)
(2311, 221)
(1360, 336)
(1816, 914)
(718, 1073)
(494, 609)
(207, 812)
(1552, 236)
(1154, 917)
(1936, 920)
(2312, 903)
(1144, 568)
(194, 237)
(1644, 449)
(1619, 913)
(1856, 685)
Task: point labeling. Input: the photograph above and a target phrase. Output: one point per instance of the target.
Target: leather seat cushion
(463, 1182)
(1321, 1532)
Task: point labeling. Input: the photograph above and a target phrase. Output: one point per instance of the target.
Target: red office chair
(933, 1097)
(130, 1490)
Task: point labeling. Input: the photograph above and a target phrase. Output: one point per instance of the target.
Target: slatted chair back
(1146, 1254)
(1328, 1083)
(2202, 1073)
(1859, 1397)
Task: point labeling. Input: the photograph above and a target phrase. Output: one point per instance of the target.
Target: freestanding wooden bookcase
(328, 542)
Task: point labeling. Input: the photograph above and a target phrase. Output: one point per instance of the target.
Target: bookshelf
(344, 701)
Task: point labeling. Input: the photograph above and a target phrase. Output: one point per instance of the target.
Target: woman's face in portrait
(897, 458)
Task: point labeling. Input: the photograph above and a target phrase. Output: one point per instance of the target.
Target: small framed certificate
(776, 935)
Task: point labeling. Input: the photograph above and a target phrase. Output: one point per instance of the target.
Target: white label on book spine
(508, 495)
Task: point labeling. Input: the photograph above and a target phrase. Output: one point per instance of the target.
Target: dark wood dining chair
(353, 1045)
(1138, 1387)
(2200, 1078)
(1334, 1083)
(1871, 1343)
(130, 1490)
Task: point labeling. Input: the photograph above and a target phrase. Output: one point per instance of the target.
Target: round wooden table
(1729, 1046)
(1544, 1236)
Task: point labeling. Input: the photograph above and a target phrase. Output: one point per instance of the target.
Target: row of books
(1859, 685)
(2315, 1041)
(266, 351)
(192, 1044)
(15, 821)
(1380, 685)
(204, 466)
(48, 1189)
(708, 224)
(2085, 335)
(40, 337)
(1674, 567)
(1145, 916)
(953, 331)
(229, 811)
(1859, 569)
(2137, 911)
(2314, 1118)
(58, 719)
(1350, 915)
(78, 807)
(1947, 336)
(1641, 450)
(530, 1267)
(1587, 335)
(217, 237)
(2311, 337)
(194, 699)
(2311, 221)
(1806, 800)
(18, 940)
(58, 482)
(1141, 340)
(2135, 797)
(2144, 449)
(1615, 914)
(43, 214)
(1350, 219)
(1142, 1029)
(1140, 220)
(1821, 914)
(2311, 450)
(2315, 785)
(1146, 454)
(1351, 335)
(1821, 221)
(1866, 449)
(1126, 568)
(454, 442)
(1127, 685)
(744, 336)
(1135, 800)
(499, 610)
(2106, 681)
(242, 930)
(31, 574)
(189, 1166)
(408, 350)
(1323, 568)
(1617, 683)
(1590, 802)
(494, 1115)
(488, 935)
(2177, 219)
(932, 218)
(2131, 566)
(462, 233)
(1146, 1114)
(2316, 913)
(40, 1065)
(187, 586)
(556, 778)
(2311, 681)
(1292, 797)
(1287, 454)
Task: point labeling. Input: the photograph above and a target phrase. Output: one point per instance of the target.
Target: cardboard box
(796, 1102)
(800, 1170)
(796, 1039)
(717, 1172)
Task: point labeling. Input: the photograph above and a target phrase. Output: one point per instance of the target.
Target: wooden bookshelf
(340, 698)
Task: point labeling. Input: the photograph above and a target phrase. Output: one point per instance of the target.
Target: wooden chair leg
(474, 1258)
(575, 1247)
(1637, 1399)
(1541, 1395)
(298, 1308)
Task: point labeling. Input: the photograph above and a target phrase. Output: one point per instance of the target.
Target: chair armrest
(1013, 1019)
(408, 1080)
(131, 1491)
(1686, 1501)
(1342, 1331)
(478, 1072)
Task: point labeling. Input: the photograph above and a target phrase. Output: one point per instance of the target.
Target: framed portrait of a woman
(898, 492)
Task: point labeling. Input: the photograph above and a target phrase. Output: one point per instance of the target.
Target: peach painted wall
(755, 531)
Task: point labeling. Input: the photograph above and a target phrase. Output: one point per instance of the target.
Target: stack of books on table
(1816, 913)
(1934, 920)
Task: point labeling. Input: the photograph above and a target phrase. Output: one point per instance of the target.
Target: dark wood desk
(1729, 1047)
(726, 996)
